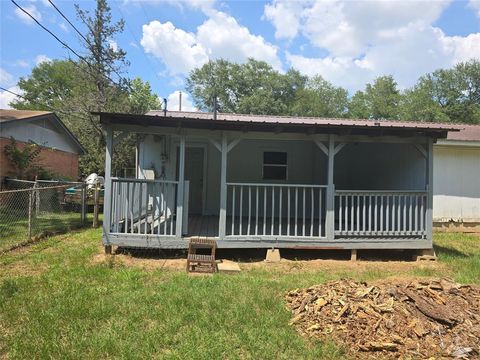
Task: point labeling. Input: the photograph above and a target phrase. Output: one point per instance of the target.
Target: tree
(141, 99)
(22, 159)
(418, 104)
(253, 87)
(451, 95)
(103, 58)
(380, 100)
(320, 98)
(358, 107)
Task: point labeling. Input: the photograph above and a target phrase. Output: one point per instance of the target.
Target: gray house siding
(42, 132)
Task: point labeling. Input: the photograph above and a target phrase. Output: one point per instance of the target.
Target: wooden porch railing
(140, 206)
(275, 210)
(380, 213)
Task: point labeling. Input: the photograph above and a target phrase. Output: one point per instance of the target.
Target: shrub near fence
(37, 210)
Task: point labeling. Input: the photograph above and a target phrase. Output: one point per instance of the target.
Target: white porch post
(330, 216)
(108, 183)
(180, 187)
(223, 188)
(429, 189)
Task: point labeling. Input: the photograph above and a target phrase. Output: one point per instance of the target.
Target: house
(456, 185)
(60, 148)
(271, 182)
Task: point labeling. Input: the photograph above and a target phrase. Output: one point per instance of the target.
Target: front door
(194, 173)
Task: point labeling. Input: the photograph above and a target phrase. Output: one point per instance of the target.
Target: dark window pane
(275, 172)
(275, 157)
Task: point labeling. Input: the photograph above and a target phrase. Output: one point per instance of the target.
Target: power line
(47, 30)
(65, 17)
(61, 41)
(43, 104)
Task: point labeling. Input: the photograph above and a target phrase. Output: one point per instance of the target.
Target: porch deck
(365, 188)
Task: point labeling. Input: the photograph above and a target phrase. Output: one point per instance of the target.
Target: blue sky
(347, 42)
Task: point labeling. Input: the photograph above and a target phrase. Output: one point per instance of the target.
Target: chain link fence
(31, 210)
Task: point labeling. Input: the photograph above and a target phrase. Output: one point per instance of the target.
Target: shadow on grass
(450, 252)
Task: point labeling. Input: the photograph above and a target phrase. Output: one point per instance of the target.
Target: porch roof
(246, 122)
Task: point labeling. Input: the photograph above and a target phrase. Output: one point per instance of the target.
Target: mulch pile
(398, 319)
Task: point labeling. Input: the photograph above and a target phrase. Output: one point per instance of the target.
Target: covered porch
(271, 182)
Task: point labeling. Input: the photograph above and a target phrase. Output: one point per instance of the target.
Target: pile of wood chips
(398, 319)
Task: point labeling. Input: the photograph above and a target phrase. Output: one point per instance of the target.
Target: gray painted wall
(363, 166)
(42, 132)
(379, 166)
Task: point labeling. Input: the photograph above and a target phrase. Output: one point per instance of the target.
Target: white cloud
(46, 3)
(41, 58)
(113, 44)
(285, 16)
(64, 27)
(366, 39)
(176, 48)
(462, 48)
(220, 36)
(475, 5)
(173, 101)
(346, 28)
(32, 9)
(6, 98)
(203, 5)
(22, 63)
(225, 38)
(6, 79)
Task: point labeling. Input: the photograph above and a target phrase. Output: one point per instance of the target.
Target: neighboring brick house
(60, 148)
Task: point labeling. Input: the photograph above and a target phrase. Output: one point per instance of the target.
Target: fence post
(30, 210)
(83, 215)
(96, 205)
(37, 197)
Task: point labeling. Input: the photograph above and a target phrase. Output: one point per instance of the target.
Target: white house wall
(456, 187)
(42, 132)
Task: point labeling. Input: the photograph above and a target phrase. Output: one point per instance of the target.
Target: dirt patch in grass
(391, 318)
(150, 260)
(293, 262)
(18, 269)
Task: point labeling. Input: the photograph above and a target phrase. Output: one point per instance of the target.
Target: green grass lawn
(14, 225)
(57, 302)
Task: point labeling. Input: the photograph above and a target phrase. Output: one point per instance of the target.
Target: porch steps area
(201, 262)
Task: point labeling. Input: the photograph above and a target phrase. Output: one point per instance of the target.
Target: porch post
(108, 183)
(180, 187)
(330, 216)
(429, 189)
(223, 188)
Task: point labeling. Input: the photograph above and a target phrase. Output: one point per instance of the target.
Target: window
(274, 165)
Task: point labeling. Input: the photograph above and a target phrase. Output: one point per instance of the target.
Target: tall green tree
(358, 107)
(104, 57)
(380, 100)
(320, 98)
(253, 87)
(141, 98)
(451, 95)
(418, 104)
